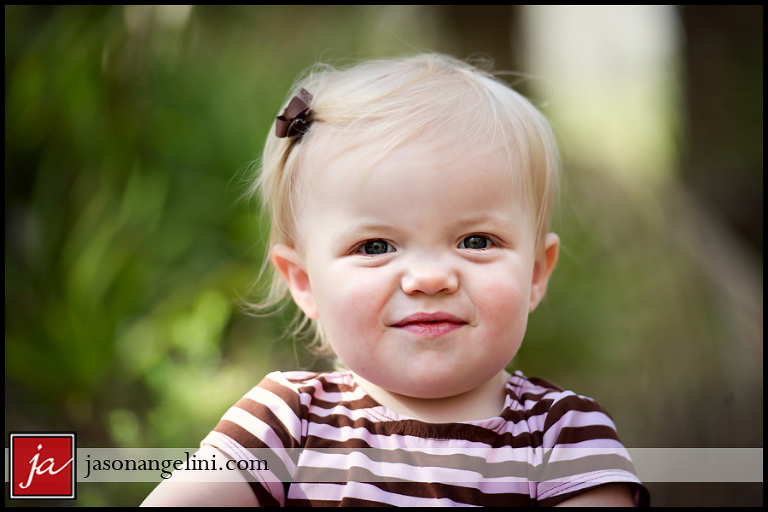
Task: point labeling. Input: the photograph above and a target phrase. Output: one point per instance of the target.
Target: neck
(483, 402)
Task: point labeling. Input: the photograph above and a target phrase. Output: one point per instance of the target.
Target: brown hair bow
(296, 118)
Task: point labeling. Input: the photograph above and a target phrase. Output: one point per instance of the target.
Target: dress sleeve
(581, 451)
(268, 419)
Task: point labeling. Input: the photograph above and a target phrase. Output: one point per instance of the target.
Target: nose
(430, 279)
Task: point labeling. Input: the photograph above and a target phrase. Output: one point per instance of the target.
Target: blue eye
(374, 247)
(475, 242)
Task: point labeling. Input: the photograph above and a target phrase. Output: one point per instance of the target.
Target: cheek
(352, 316)
(502, 300)
(353, 301)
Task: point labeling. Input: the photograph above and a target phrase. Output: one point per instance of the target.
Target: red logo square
(42, 465)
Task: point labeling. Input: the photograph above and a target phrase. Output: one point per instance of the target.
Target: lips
(430, 324)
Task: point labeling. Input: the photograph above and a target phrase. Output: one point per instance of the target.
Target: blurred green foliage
(129, 134)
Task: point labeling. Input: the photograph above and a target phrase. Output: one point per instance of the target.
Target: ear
(291, 266)
(542, 269)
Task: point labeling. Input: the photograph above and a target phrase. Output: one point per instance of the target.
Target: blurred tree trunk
(724, 94)
(483, 29)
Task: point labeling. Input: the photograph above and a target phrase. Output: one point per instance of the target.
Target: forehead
(331, 156)
(423, 182)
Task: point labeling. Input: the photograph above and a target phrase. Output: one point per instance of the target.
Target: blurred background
(128, 137)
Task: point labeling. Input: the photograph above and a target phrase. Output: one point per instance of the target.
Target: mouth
(430, 324)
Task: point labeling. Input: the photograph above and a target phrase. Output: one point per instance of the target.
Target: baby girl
(410, 203)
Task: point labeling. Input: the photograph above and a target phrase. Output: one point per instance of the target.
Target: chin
(433, 386)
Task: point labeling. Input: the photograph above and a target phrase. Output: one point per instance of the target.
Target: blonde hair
(389, 103)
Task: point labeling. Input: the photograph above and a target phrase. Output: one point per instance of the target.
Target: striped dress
(326, 442)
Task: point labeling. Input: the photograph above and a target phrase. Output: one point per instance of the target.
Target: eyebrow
(507, 231)
(491, 220)
(356, 231)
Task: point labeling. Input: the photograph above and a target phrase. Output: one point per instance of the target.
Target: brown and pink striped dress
(326, 442)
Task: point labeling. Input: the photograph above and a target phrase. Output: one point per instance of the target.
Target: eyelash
(491, 241)
(362, 246)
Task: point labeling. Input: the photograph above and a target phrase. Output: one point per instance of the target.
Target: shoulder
(286, 397)
(275, 413)
(306, 387)
(581, 447)
(534, 391)
(559, 415)
(299, 382)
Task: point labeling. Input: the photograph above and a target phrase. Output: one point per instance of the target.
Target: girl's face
(420, 270)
